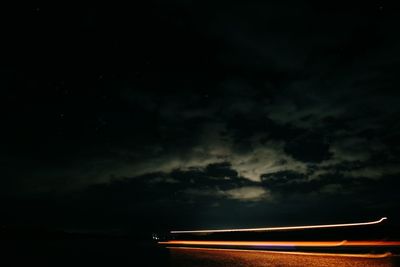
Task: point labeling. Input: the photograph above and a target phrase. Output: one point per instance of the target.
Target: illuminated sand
(196, 257)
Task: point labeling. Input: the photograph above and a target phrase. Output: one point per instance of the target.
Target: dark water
(131, 253)
(73, 253)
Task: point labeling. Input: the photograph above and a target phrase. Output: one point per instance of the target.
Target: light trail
(371, 243)
(256, 243)
(371, 256)
(303, 227)
(343, 243)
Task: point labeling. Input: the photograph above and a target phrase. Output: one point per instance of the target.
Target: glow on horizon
(371, 256)
(303, 227)
(343, 243)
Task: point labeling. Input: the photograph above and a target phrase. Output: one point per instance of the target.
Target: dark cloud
(310, 148)
(221, 170)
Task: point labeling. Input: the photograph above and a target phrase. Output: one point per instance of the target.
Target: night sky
(199, 114)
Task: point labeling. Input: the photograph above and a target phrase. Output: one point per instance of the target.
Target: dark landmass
(42, 233)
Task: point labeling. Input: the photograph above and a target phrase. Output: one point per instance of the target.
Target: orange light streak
(256, 243)
(371, 243)
(344, 243)
(282, 228)
(372, 256)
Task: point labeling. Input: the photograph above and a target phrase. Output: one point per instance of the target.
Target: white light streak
(266, 229)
